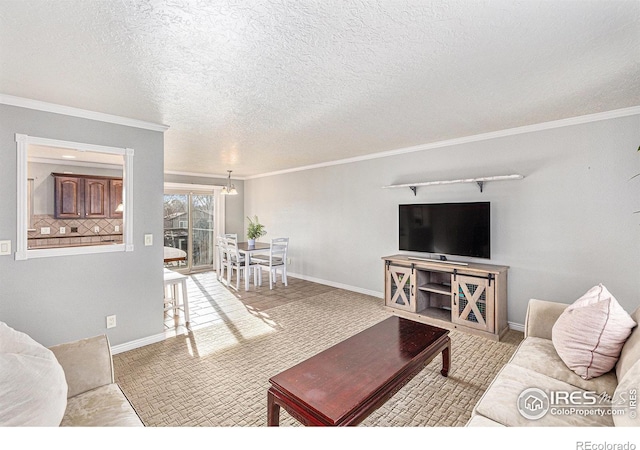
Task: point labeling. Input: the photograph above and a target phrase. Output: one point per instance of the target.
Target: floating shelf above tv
(479, 181)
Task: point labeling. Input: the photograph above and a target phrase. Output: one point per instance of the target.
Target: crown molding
(203, 175)
(578, 120)
(76, 112)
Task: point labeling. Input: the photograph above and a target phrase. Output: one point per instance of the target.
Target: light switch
(5, 247)
(148, 239)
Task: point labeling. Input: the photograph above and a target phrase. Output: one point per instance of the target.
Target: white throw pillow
(33, 388)
(590, 333)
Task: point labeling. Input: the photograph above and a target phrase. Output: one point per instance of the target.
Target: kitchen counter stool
(173, 299)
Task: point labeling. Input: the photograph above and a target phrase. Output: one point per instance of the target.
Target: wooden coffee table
(344, 384)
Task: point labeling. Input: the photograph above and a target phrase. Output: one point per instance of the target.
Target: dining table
(174, 254)
(247, 250)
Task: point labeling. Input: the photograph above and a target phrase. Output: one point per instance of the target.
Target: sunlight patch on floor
(221, 336)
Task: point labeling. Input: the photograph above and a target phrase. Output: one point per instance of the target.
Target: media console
(470, 297)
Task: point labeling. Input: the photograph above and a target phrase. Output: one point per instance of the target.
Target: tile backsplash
(108, 230)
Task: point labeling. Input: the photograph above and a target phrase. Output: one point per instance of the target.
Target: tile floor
(211, 301)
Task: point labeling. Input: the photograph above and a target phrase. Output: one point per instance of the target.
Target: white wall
(565, 227)
(59, 299)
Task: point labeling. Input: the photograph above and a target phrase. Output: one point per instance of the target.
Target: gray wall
(64, 298)
(234, 211)
(564, 228)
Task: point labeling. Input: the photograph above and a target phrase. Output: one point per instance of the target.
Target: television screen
(461, 229)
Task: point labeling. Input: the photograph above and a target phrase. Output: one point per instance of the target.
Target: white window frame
(188, 188)
(22, 251)
(219, 199)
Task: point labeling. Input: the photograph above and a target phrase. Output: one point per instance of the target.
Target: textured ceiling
(262, 86)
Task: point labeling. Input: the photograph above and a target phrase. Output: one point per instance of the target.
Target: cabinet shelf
(436, 288)
(479, 181)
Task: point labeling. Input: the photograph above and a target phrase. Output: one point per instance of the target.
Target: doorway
(191, 222)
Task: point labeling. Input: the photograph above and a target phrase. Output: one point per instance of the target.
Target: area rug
(218, 376)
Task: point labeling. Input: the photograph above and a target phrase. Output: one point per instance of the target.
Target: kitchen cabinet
(86, 196)
(115, 197)
(96, 198)
(69, 197)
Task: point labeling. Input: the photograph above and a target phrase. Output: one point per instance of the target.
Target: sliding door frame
(218, 212)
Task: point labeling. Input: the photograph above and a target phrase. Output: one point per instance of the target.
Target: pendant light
(229, 189)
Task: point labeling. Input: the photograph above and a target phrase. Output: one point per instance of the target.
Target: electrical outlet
(111, 321)
(117, 228)
(45, 230)
(5, 247)
(63, 230)
(96, 229)
(148, 239)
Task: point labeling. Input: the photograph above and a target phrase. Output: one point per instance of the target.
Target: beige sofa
(93, 397)
(601, 401)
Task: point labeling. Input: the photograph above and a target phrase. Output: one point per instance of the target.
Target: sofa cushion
(87, 363)
(590, 333)
(500, 402)
(33, 389)
(105, 406)
(630, 353)
(627, 389)
(540, 355)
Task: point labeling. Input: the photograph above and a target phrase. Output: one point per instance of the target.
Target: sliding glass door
(202, 232)
(176, 230)
(189, 227)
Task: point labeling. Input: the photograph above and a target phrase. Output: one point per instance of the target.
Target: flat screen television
(461, 229)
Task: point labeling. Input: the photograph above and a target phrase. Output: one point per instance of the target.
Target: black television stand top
(445, 261)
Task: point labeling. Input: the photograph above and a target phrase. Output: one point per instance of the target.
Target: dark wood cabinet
(96, 198)
(69, 197)
(115, 198)
(86, 196)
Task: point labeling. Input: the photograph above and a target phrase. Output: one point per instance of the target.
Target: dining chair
(236, 261)
(221, 244)
(277, 260)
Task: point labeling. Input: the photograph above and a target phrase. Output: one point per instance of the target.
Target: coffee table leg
(446, 359)
(273, 411)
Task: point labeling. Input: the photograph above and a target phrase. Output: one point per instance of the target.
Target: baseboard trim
(138, 343)
(516, 326)
(346, 287)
